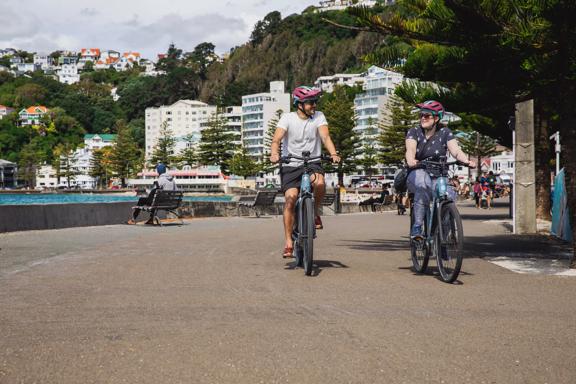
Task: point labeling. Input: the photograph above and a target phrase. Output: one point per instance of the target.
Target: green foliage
(65, 161)
(297, 50)
(163, 151)
(268, 166)
(126, 156)
(30, 157)
(216, 145)
(368, 157)
(188, 155)
(268, 25)
(393, 134)
(30, 94)
(12, 139)
(201, 58)
(243, 165)
(101, 166)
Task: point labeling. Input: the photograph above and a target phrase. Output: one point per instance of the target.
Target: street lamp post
(557, 149)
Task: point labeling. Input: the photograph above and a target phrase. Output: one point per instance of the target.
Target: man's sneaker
(318, 222)
(416, 232)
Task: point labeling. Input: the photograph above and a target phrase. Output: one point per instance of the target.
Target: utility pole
(525, 172)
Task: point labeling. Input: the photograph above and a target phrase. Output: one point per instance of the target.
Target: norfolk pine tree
(126, 156)
(216, 145)
(339, 110)
(393, 135)
(163, 151)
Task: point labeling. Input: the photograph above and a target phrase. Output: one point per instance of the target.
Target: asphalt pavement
(213, 302)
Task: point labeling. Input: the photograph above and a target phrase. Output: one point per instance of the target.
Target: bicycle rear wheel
(419, 249)
(448, 243)
(307, 235)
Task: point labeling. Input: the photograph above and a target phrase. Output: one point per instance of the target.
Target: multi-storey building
(371, 105)
(327, 83)
(43, 60)
(67, 59)
(337, 5)
(8, 174)
(46, 176)
(185, 119)
(233, 116)
(107, 59)
(68, 74)
(26, 67)
(88, 54)
(257, 111)
(32, 115)
(201, 179)
(4, 111)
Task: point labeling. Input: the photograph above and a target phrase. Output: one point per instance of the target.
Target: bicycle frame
(440, 198)
(305, 193)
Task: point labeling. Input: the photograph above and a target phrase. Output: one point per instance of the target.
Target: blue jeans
(422, 186)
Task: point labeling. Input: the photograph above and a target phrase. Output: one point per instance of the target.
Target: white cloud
(147, 26)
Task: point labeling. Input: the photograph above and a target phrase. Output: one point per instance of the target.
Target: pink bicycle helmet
(304, 93)
(433, 107)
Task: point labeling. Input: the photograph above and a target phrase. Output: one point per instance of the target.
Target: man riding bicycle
(303, 130)
(428, 140)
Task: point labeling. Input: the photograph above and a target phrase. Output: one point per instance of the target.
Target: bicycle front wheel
(307, 235)
(448, 243)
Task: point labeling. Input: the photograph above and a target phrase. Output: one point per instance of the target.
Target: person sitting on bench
(165, 182)
(377, 200)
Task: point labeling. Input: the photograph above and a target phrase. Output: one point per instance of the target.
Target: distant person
(491, 179)
(165, 182)
(477, 192)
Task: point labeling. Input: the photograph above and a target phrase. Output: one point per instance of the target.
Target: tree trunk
(479, 163)
(542, 141)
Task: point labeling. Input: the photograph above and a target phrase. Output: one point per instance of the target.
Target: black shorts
(291, 177)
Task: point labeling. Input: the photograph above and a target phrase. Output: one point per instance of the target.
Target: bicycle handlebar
(423, 163)
(286, 159)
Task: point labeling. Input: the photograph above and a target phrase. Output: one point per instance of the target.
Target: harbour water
(74, 198)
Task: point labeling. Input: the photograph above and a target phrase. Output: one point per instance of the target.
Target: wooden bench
(256, 203)
(328, 199)
(388, 199)
(168, 201)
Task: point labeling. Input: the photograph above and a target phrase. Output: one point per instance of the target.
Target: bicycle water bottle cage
(305, 186)
(441, 187)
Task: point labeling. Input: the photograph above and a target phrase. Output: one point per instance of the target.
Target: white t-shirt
(301, 135)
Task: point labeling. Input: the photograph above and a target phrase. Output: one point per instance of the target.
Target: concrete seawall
(53, 216)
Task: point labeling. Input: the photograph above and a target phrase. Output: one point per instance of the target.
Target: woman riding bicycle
(303, 130)
(428, 140)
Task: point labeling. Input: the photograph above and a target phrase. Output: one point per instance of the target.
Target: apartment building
(184, 118)
(233, 116)
(257, 111)
(371, 105)
(327, 83)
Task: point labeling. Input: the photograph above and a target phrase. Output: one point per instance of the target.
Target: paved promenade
(214, 302)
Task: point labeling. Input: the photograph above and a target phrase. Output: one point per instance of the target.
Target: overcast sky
(145, 26)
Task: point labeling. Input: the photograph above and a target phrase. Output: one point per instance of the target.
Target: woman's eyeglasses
(426, 116)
